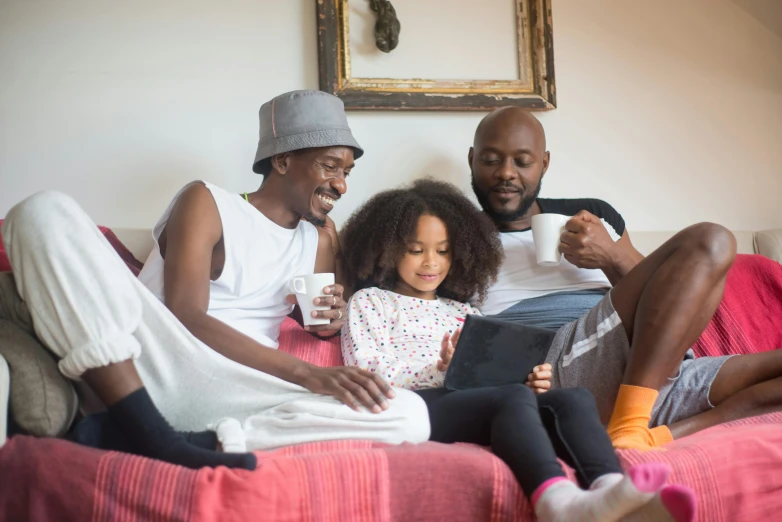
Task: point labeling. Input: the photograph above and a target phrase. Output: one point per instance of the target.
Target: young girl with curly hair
(415, 256)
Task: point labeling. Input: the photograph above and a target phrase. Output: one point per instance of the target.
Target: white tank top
(261, 257)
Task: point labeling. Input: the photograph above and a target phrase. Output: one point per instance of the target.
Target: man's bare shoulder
(194, 217)
(195, 195)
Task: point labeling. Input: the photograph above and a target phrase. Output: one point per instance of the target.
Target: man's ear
(281, 162)
(546, 160)
(469, 158)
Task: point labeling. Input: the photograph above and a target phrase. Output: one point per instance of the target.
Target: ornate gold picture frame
(534, 89)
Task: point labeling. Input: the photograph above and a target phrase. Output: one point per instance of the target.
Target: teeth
(326, 199)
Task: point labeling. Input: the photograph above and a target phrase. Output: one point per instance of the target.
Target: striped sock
(612, 496)
(673, 504)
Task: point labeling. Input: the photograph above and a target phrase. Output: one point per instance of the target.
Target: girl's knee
(574, 397)
(515, 392)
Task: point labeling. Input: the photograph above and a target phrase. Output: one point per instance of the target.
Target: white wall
(671, 110)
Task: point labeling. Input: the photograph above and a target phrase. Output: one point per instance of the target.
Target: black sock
(201, 439)
(152, 436)
(101, 431)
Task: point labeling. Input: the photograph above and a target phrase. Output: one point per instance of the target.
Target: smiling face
(508, 161)
(427, 259)
(315, 179)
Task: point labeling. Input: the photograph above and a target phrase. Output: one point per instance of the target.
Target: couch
(734, 468)
(765, 242)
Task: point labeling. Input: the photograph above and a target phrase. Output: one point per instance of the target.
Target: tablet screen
(491, 352)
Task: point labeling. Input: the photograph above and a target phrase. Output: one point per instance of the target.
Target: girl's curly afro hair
(375, 238)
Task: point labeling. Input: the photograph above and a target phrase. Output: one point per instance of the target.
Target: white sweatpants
(91, 311)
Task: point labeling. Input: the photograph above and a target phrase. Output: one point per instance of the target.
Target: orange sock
(629, 425)
(661, 435)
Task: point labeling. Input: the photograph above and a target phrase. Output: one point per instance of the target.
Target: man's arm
(587, 244)
(326, 261)
(625, 259)
(191, 234)
(328, 237)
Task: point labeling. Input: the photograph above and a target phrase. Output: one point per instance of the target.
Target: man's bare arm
(625, 259)
(329, 231)
(193, 231)
(191, 234)
(325, 262)
(587, 244)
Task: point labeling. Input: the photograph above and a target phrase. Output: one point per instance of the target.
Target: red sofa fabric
(749, 318)
(734, 468)
(5, 265)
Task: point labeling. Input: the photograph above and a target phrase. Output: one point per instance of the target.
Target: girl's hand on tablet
(447, 348)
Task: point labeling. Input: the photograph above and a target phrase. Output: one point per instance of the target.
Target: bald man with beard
(624, 323)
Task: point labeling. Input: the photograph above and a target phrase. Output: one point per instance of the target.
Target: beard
(315, 220)
(319, 221)
(504, 216)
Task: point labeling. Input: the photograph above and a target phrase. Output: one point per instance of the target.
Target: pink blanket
(749, 319)
(734, 468)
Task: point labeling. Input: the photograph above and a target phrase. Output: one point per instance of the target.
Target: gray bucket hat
(301, 120)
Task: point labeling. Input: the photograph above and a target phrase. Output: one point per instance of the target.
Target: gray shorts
(592, 353)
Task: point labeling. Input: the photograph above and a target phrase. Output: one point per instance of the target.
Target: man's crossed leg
(664, 304)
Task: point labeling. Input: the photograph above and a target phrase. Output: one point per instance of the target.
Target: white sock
(230, 434)
(611, 497)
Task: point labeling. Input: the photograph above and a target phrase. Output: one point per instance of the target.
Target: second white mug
(546, 231)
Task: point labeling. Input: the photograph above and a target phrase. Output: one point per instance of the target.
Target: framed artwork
(448, 55)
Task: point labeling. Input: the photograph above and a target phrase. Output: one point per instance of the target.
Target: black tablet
(491, 352)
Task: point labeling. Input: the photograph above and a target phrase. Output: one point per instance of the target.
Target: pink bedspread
(734, 468)
(749, 318)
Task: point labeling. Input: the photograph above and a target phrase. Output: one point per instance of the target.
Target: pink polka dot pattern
(400, 337)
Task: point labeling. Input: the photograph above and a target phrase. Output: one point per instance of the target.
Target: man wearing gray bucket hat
(193, 340)
(305, 134)
(302, 120)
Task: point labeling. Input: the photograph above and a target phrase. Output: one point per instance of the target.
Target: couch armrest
(769, 243)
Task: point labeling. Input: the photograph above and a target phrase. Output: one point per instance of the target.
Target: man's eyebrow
(515, 152)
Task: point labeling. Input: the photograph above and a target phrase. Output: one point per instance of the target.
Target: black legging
(525, 430)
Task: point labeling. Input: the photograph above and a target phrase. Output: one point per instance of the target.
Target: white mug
(546, 231)
(307, 288)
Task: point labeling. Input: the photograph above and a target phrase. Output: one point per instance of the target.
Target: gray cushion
(769, 243)
(12, 308)
(42, 401)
